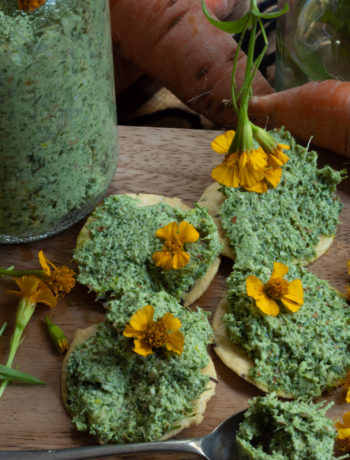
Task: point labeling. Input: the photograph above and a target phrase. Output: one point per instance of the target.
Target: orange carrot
(173, 42)
(317, 109)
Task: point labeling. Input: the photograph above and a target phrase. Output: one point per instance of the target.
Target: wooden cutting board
(172, 162)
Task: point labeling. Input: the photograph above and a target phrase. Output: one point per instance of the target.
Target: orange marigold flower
(342, 443)
(174, 235)
(33, 290)
(59, 279)
(255, 169)
(274, 150)
(276, 289)
(30, 5)
(149, 334)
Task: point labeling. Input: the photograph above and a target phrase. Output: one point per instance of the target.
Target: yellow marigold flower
(343, 428)
(245, 168)
(348, 264)
(30, 5)
(34, 291)
(149, 334)
(276, 289)
(276, 157)
(342, 442)
(60, 279)
(174, 235)
(255, 169)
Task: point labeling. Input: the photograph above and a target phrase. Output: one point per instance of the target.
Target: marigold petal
(346, 419)
(142, 318)
(295, 292)
(232, 159)
(44, 263)
(226, 175)
(167, 232)
(222, 143)
(277, 159)
(284, 146)
(175, 342)
(257, 159)
(250, 177)
(163, 259)
(267, 305)
(46, 296)
(273, 176)
(254, 286)
(243, 160)
(142, 348)
(347, 397)
(187, 233)
(131, 332)
(180, 259)
(279, 270)
(260, 187)
(292, 306)
(170, 322)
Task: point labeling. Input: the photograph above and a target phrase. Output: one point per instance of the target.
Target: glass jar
(313, 42)
(58, 126)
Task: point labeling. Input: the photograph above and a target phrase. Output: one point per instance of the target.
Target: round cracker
(199, 405)
(232, 355)
(212, 199)
(146, 199)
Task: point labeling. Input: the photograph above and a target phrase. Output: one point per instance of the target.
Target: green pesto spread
(285, 430)
(286, 222)
(119, 396)
(117, 258)
(58, 137)
(300, 353)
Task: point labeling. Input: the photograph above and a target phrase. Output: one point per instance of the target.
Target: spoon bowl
(218, 445)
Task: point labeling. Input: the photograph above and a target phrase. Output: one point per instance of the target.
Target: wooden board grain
(172, 162)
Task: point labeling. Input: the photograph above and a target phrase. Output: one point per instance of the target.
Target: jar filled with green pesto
(58, 126)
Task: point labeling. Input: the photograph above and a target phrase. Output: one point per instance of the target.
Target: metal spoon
(218, 445)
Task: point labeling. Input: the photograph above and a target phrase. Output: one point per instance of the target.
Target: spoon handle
(79, 453)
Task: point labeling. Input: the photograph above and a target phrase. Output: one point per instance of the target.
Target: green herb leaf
(232, 27)
(275, 14)
(6, 373)
(3, 327)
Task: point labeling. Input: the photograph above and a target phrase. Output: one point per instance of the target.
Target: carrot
(173, 42)
(317, 109)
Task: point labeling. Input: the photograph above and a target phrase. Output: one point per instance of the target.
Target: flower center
(156, 334)
(173, 245)
(61, 280)
(276, 288)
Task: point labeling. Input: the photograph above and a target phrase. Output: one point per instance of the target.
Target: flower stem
(18, 273)
(25, 311)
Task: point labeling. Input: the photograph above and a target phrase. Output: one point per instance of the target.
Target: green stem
(25, 311)
(235, 96)
(18, 273)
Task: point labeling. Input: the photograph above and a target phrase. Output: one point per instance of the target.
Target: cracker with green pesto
(120, 396)
(280, 430)
(296, 355)
(115, 248)
(296, 221)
